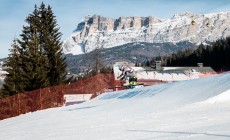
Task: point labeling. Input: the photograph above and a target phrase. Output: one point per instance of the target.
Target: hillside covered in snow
(2, 73)
(195, 109)
(97, 31)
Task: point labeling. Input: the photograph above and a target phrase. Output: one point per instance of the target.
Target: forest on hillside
(215, 55)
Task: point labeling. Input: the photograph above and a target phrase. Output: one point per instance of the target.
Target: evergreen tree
(35, 63)
(147, 63)
(36, 60)
(215, 55)
(14, 81)
(52, 45)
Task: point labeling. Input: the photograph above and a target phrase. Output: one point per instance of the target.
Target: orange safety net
(52, 96)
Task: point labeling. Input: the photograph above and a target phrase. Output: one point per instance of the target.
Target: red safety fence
(52, 96)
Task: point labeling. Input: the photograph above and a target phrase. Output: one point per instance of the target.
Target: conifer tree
(52, 45)
(36, 60)
(14, 81)
(215, 55)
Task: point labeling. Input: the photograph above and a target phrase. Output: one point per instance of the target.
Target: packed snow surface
(189, 110)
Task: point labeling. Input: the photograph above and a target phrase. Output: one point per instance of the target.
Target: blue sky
(70, 12)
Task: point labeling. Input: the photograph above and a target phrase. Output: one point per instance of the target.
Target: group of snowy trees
(36, 59)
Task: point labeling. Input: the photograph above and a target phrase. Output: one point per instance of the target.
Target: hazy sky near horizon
(70, 12)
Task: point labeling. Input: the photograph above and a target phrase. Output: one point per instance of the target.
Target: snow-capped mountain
(98, 31)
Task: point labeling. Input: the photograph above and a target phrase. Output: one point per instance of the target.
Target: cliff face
(97, 31)
(96, 24)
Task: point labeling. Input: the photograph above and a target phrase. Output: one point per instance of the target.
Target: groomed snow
(188, 110)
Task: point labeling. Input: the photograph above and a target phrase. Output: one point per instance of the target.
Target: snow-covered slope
(98, 31)
(2, 74)
(197, 109)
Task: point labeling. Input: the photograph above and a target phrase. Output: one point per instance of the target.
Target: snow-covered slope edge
(169, 111)
(2, 73)
(98, 31)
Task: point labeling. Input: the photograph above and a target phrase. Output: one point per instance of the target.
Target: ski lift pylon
(193, 22)
(208, 24)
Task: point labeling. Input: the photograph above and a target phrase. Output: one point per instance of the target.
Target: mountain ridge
(100, 32)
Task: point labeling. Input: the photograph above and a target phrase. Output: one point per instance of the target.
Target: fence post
(19, 104)
(40, 96)
(63, 99)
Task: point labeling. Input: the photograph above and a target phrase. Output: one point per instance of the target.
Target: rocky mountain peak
(98, 31)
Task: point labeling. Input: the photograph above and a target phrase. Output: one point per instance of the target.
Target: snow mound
(223, 97)
(178, 93)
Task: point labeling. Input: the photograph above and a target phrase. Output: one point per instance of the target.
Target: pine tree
(215, 55)
(35, 67)
(36, 60)
(52, 45)
(14, 81)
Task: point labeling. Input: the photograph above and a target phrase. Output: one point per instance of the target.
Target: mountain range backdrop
(139, 39)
